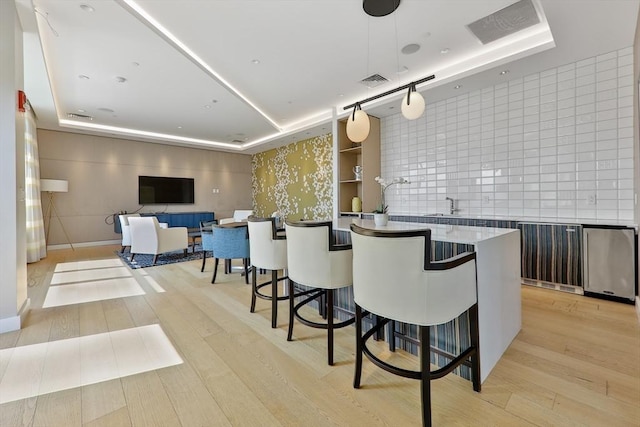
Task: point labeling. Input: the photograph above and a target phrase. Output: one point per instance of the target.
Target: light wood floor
(576, 362)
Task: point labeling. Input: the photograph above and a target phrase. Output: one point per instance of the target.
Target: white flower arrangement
(384, 184)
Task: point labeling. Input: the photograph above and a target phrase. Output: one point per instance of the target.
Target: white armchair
(148, 237)
(125, 228)
(238, 215)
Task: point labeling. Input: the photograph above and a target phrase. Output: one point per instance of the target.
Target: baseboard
(554, 286)
(14, 323)
(9, 324)
(84, 244)
(638, 307)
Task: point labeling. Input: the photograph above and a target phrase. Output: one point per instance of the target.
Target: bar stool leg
(253, 289)
(358, 371)
(291, 308)
(475, 342)
(329, 293)
(425, 380)
(274, 298)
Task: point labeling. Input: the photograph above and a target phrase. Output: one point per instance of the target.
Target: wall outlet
(216, 191)
(591, 199)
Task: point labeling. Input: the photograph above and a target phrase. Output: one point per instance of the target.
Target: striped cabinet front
(552, 252)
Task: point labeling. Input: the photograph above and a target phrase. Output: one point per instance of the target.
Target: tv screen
(158, 190)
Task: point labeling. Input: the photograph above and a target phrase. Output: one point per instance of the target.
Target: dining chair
(317, 262)
(230, 243)
(268, 251)
(206, 237)
(395, 279)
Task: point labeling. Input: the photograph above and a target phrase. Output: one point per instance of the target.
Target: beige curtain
(36, 244)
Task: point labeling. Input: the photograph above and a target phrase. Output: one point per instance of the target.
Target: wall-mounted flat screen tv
(159, 190)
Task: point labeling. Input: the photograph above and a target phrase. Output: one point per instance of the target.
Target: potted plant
(380, 215)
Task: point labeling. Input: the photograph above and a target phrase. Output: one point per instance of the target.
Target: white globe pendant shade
(415, 109)
(358, 128)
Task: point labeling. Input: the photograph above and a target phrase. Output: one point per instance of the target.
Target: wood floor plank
(148, 402)
(101, 399)
(18, 413)
(63, 408)
(118, 418)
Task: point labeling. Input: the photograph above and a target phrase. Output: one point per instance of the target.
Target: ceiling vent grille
(79, 116)
(511, 19)
(373, 81)
(237, 141)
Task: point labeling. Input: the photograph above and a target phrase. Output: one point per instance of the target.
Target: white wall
(555, 145)
(13, 283)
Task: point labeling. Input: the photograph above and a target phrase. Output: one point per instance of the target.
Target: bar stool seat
(315, 261)
(395, 279)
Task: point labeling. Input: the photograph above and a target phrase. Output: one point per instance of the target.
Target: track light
(412, 104)
(412, 107)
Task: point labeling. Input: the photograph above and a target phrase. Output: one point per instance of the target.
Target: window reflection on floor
(39, 369)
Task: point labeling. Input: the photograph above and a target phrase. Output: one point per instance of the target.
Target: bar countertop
(439, 232)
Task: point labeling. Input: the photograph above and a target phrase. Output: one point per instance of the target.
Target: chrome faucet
(452, 208)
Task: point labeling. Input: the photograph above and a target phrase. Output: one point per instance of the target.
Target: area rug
(144, 260)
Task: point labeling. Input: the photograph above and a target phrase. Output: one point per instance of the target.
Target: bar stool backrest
(313, 258)
(267, 249)
(393, 277)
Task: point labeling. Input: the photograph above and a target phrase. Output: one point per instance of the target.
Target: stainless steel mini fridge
(610, 262)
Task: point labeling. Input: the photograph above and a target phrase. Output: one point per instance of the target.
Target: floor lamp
(53, 186)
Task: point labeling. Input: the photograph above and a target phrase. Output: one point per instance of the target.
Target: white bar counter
(498, 265)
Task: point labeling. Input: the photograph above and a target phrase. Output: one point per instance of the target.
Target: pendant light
(358, 124)
(412, 104)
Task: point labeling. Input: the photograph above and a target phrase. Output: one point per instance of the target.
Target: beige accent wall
(103, 180)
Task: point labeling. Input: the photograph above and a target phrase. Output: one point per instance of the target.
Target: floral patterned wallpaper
(296, 180)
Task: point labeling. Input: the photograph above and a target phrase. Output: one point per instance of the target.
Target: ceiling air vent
(504, 22)
(237, 141)
(79, 116)
(373, 81)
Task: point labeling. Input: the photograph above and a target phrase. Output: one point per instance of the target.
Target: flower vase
(380, 219)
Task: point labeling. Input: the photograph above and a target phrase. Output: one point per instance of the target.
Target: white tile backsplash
(551, 145)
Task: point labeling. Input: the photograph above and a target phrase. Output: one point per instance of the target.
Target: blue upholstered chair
(206, 236)
(230, 243)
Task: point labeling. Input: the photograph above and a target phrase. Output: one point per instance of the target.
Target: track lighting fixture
(412, 107)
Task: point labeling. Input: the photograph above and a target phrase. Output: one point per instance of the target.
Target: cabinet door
(552, 253)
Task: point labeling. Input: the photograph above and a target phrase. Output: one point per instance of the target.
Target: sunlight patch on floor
(78, 293)
(38, 369)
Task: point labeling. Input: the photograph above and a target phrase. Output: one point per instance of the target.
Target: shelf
(349, 181)
(352, 150)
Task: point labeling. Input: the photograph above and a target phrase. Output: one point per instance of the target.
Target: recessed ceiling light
(179, 127)
(341, 95)
(503, 72)
(214, 101)
(120, 79)
(457, 86)
(410, 48)
(207, 106)
(82, 76)
(445, 50)
(87, 8)
(255, 61)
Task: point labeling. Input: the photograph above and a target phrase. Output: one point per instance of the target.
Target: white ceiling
(191, 77)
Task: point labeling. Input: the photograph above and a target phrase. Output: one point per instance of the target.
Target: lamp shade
(358, 127)
(415, 109)
(54, 185)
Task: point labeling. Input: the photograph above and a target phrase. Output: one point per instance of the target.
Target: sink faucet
(452, 208)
